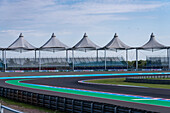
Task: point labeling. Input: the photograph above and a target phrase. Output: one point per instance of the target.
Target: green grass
(21, 105)
(120, 81)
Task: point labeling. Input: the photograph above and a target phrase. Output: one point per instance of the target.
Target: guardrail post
(115, 109)
(81, 106)
(56, 102)
(42, 100)
(72, 106)
(92, 107)
(103, 108)
(49, 101)
(31, 98)
(64, 104)
(37, 98)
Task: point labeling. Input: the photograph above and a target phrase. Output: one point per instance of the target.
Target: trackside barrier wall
(65, 104)
(154, 79)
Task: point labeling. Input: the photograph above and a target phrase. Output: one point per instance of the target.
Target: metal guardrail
(65, 104)
(4, 109)
(154, 79)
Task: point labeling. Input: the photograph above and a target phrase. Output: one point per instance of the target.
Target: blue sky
(132, 20)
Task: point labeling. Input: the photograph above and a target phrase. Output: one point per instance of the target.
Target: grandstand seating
(62, 63)
(157, 62)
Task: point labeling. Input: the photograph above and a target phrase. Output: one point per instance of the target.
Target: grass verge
(120, 81)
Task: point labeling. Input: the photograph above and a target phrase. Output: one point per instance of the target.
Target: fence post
(81, 106)
(31, 98)
(129, 111)
(72, 106)
(49, 101)
(92, 107)
(103, 108)
(56, 102)
(115, 109)
(64, 104)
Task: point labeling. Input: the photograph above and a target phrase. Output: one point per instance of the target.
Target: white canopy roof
(152, 44)
(53, 44)
(116, 43)
(21, 45)
(85, 44)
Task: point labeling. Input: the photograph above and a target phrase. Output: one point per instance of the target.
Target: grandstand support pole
(127, 58)
(35, 55)
(97, 55)
(67, 55)
(73, 59)
(39, 60)
(105, 67)
(168, 58)
(136, 59)
(5, 60)
(3, 56)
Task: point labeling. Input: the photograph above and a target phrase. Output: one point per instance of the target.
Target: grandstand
(157, 62)
(81, 63)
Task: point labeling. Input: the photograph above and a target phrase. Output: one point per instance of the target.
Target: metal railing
(65, 104)
(154, 79)
(5, 109)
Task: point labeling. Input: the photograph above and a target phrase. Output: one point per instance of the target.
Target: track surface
(72, 82)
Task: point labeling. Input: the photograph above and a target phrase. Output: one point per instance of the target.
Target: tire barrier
(65, 104)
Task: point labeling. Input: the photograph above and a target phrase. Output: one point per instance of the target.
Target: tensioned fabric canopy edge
(53, 44)
(85, 44)
(116, 44)
(152, 44)
(21, 45)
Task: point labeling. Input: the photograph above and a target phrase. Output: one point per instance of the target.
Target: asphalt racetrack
(152, 99)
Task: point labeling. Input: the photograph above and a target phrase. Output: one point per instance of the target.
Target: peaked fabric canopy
(21, 45)
(53, 44)
(116, 43)
(152, 44)
(85, 44)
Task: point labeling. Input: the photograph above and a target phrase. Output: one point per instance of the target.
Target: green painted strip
(136, 99)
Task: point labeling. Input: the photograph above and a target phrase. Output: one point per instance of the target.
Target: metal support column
(73, 59)
(5, 60)
(105, 65)
(136, 59)
(35, 55)
(97, 55)
(67, 59)
(127, 58)
(39, 61)
(168, 58)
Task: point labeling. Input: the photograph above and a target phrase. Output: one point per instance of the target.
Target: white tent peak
(116, 43)
(85, 35)
(85, 43)
(21, 35)
(152, 35)
(54, 44)
(152, 44)
(115, 35)
(53, 35)
(21, 44)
